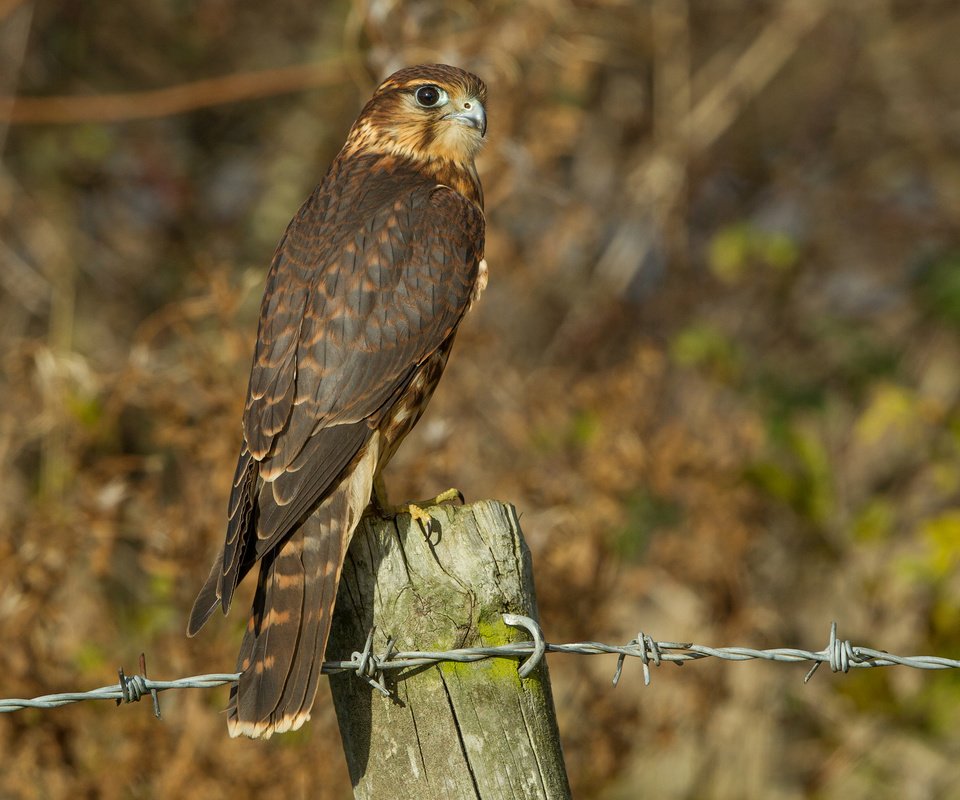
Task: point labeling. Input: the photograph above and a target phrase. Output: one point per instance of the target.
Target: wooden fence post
(452, 730)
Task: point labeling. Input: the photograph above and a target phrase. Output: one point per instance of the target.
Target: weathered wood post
(452, 730)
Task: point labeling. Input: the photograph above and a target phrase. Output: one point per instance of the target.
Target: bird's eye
(429, 96)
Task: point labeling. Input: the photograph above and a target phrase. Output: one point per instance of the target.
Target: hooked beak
(471, 113)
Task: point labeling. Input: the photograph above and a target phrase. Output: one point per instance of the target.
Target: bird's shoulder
(372, 209)
(359, 188)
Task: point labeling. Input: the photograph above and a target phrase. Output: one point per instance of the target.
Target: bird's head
(427, 112)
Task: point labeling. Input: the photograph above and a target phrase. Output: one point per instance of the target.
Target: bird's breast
(400, 420)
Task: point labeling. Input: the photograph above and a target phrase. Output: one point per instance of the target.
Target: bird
(362, 303)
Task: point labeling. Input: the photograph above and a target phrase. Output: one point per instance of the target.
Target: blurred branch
(688, 126)
(71, 109)
(672, 89)
(751, 72)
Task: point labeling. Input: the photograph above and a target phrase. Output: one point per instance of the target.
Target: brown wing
(372, 276)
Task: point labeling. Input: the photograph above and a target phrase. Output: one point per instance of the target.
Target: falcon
(362, 303)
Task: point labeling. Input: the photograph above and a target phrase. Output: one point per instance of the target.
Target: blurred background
(716, 369)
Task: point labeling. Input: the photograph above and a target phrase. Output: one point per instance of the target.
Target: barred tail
(286, 637)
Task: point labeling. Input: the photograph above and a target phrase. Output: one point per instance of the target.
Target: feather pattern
(282, 650)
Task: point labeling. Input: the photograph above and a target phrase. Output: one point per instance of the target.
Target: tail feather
(273, 632)
(323, 558)
(285, 640)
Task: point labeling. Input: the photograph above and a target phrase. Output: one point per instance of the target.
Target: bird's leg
(379, 498)
(416, 510)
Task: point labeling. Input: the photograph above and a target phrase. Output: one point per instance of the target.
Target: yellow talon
(421, 517)
(416, 510)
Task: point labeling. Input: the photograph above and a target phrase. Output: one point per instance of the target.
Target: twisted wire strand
(840, 655)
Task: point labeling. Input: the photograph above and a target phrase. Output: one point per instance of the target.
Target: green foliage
(941, 535)
(938, 703)
(892, 411)
(89, 658)
(852, 357)
(799, 472)
(91, 143)
(579, 430)
(875, 521)
(88, 411)
(646, 514)
(938, 286)
(736, 249)
(706, 347)
(870, 692)
(584, 427)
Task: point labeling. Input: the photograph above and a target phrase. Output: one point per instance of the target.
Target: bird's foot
(416, 510)
(418, 515)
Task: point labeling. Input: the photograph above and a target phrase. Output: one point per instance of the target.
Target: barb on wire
(648, 649)
(841, 655)
(134, 687)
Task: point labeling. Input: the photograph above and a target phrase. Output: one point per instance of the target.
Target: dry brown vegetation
(716, 369)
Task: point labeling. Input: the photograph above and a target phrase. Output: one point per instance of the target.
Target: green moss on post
(453, 730)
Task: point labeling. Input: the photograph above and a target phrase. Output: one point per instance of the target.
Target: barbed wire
(841, 655)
